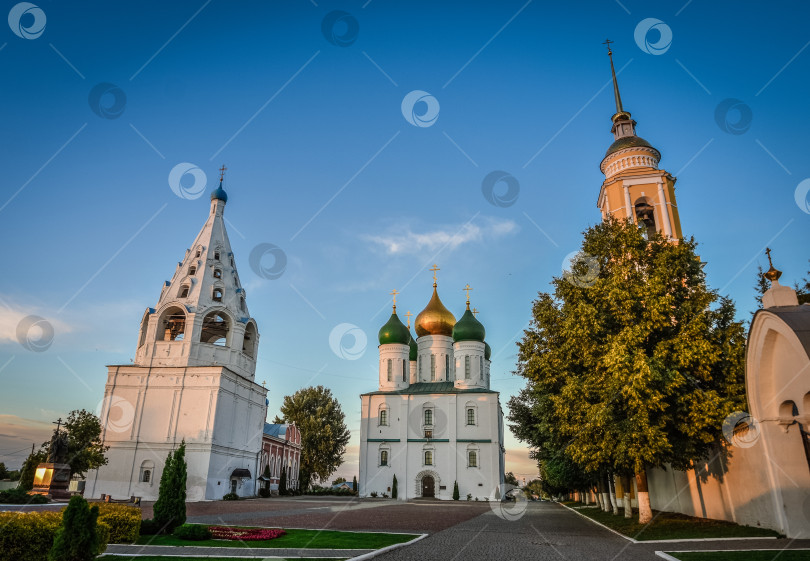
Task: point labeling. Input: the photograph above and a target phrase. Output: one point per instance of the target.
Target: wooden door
(428, 486)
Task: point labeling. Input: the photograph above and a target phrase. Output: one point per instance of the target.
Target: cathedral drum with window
(192, 379)
(433, 421)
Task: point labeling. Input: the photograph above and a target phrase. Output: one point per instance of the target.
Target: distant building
(281, 450)
(345, 485)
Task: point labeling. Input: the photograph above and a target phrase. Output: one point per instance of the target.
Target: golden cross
(768, 253)
(408, 315)
(467, 289)
(475, 311)
(264, 383)
(434, 269)
(608, 42)
(222, 173)
(394, 294)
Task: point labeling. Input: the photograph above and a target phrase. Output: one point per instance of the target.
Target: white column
(664, 210)
(630, 213)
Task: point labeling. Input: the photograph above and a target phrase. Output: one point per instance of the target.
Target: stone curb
(246, 552)
(387, 549)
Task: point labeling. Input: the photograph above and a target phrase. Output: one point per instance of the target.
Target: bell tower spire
(634, 187)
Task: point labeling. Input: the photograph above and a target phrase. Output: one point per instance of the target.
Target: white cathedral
(434, 421)
(192, 379)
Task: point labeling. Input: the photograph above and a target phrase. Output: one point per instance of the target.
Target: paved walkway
(548, 531)
(233, 551)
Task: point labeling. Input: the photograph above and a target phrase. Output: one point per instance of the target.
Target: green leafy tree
(339, 480)
(456, 495)
(510, 479)
(28, 469)
(394, 488)
(324, 434)
(76, 539)
(632, 362)
(85, 449)
(170, 507)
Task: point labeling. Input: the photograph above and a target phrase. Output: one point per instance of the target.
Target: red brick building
(281, 449)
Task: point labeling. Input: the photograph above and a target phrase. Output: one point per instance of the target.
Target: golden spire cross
(408, 315)
(222, 173)
(768, 253)
(434, 269)
(616, 95)
(608, 42)
(475, 311)
(394, 294)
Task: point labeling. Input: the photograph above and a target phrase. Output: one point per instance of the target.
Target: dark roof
(627, 142)
(797, 318)
(241, 472)
(431, 387)
(277, 430)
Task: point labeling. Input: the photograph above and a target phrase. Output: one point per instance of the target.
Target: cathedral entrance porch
(428, 487)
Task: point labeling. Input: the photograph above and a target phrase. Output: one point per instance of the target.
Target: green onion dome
(394, 332)
(414, 349)
(487, 350)
(468, 328)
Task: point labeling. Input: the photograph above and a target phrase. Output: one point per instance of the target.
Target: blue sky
(323, 163)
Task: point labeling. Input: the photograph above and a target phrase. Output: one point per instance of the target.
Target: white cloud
(405, 240)
(10, 321)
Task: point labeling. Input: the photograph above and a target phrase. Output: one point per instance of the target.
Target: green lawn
(317, 539)
(772, 555)
(671, 526)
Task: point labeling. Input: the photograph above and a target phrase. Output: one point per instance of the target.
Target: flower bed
(245, 534)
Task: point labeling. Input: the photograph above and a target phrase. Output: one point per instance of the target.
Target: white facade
(192, 380)
(440, 426)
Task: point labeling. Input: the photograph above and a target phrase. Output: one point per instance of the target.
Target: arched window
(472, 459)
(215, 329)
(147, 471)
(428, 457)
(249, 342)
(383, 417)
(404, 369)
(390, 370)
(172, 325)
(383, 457)
(184, 291)
(481, 367)
(217, 274)
(242, 305)
(216, 255)
(467, 367)
(199, 251)
(192, 270)
(432, 368)
(428, 417)
(216, 294)
(447, 367)
(470, 416)
(645, 216)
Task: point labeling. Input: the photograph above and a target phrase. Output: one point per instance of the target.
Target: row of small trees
(632, 362)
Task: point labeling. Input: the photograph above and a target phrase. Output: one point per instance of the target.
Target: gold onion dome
(435, 319)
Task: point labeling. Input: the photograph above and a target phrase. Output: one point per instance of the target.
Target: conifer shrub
(264, 492)
(19, 496)
(456, 495)
(77, 538)
(394, 488)
(170, 508)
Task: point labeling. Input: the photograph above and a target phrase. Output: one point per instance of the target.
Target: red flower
(245, 534)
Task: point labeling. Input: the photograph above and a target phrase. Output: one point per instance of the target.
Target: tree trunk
(628, 508)
(605, 489)
(612, 492)
(644, 508)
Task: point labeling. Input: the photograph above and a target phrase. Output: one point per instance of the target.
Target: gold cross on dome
(394, 294)
(408, 315)
(768, 253)
(222, 173)
(608, 42)
(467, 289)
(475, 311)
(434, 269)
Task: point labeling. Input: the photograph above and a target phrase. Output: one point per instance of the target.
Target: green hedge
(18, 496)
(124, 521)
(28, 536)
